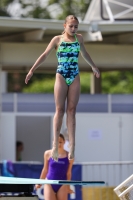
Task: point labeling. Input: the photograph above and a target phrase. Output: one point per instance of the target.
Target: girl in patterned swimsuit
(67, 83)
(60, 170)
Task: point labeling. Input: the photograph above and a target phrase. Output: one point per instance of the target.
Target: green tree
(57, 9)
(40, 83)
(35, 9)
(67, 7)
(117, 82)
(4, 7)
(46, 84)
(30, 8)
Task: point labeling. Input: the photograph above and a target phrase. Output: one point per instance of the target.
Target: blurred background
(104, 129)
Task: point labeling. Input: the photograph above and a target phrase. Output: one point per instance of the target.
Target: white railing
(116, 9)
(113, 173)
(98, 103)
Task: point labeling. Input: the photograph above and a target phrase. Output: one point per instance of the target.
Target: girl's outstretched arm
(43, 56)
(69, 174)
(87, 57)
(69, 171)
(45, 168)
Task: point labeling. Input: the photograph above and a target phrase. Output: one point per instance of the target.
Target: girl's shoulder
(79, 37)
(57, 38)
(47, 154)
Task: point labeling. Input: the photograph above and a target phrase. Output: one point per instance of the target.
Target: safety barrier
(113, 173)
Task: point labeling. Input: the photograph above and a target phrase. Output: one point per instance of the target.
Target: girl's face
(61, 143)
(71, 27)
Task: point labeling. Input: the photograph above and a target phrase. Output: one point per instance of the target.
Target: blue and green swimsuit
(67, 55)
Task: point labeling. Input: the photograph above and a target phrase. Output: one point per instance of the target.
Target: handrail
(97, 103)
(80, 163)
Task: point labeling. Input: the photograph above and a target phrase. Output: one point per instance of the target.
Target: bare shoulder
(47, 154)
(57, 38)
(80, 38)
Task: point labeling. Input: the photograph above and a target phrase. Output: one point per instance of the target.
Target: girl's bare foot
(71, 153)
(55, 153)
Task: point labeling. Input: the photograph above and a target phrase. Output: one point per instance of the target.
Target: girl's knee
(71, 110)
(60, 111)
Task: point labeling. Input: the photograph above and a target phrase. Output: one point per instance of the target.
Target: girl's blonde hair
(70, 17)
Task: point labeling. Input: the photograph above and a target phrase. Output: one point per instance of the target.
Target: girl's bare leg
(60, 93)
(72, 101)
(49, 193)
(62, 193)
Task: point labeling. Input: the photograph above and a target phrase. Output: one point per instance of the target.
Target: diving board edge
(14, 180)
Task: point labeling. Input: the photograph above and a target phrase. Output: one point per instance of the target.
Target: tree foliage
(57, 9)
(115, 82)
(46, 85)
(67, 7)
(40, 83)
(4, 6)
(34, 9)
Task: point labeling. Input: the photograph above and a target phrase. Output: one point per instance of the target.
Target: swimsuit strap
(62, 38)
(76, 37)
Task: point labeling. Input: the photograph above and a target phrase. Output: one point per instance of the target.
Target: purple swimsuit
(57, 171)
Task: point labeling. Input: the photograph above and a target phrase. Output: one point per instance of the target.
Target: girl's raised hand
(96, 72)
(28, 77)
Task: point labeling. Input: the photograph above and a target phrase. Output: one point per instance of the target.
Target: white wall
(104, 137)
(99, 137)
(127, 137)
(7, 136)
